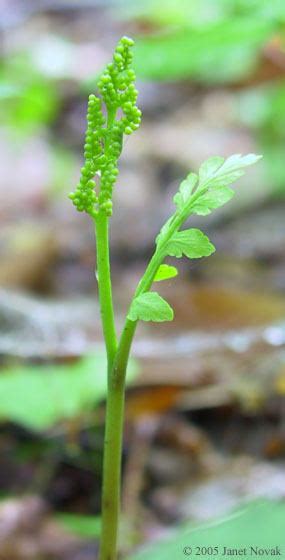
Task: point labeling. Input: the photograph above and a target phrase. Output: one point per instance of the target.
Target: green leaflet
(220, 172)
(214, 176)
(204, 193)
(164, 229)
(192, 243)
(200, 194)
(211, 200)
(259, 524)
(150, 306)
(185, 191)
(209, 167)
(165, 272)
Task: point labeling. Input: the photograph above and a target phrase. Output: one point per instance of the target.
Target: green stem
(112, 471)
(105, 287)
(126, 339)
(115, 401)
(116, 395)
(113, 439)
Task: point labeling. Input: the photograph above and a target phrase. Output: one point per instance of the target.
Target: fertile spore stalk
(198, 194)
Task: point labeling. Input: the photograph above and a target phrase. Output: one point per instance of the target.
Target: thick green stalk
(115, 401)
(112, 471)
(105, 286)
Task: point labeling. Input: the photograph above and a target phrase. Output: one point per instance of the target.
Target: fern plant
(110, 116)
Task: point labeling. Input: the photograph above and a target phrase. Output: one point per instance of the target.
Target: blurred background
(205, 412)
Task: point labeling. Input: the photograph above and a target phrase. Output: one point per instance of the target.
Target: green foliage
(28, 99)
(260, 524)
(104, 134)
(204, 193)
(220, 52)
(211, 191)
(262, 109)
(211, 200)
(165, 272)
(185, 12)
(201, 194)
(50, 394)
(197, 194)
(222, 41)
(185, 190)
(217, 170)
(192, 243)
(84, 526)
(150, 306)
